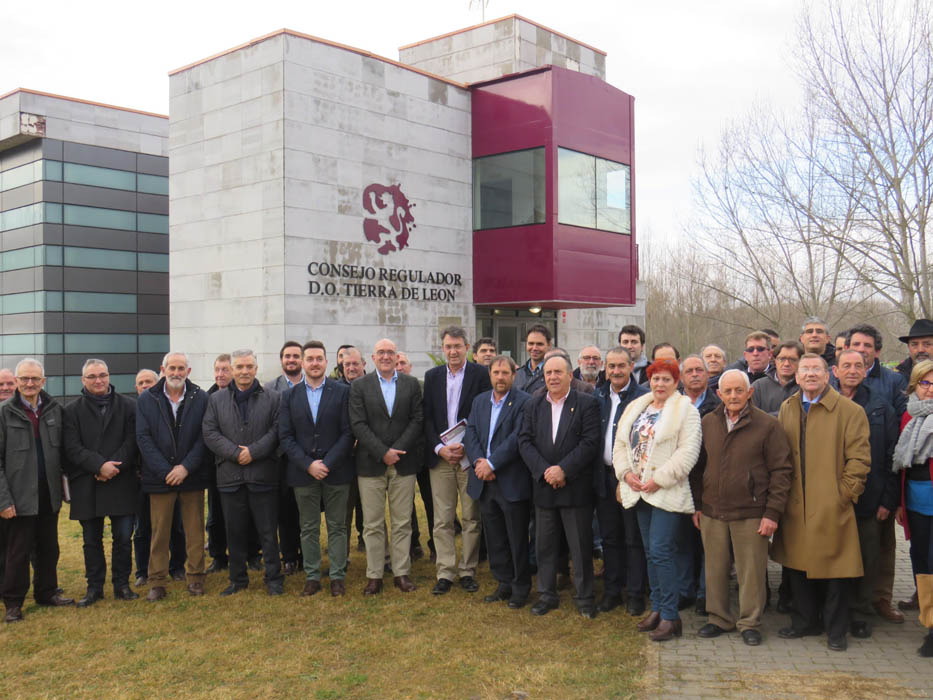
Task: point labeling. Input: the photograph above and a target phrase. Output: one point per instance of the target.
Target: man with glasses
(814, 337)
(756, 358)
(590, 367)
(30, 490)
(771, 392)
(100, 441)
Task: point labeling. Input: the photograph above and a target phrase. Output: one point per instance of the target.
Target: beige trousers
(448, 482)
(751, 568)
(400, 493)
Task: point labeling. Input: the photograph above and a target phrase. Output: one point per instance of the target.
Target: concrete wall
(510, 45)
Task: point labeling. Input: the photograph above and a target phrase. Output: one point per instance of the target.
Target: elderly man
(530, 376)
(172, 455)
(558, 441)
(665, 351)
(241, 429)
(449, 391)
(386, 419)
(484, 351)
(818, 538)
(756, 357)
(741, 489)
(216, 527)
(919, 342)
(402, 363)
(695, 378)
(30, 490)
(770, 392)
(590, 367)
(886, 383)
(7, 384)
(715, 359)
(632, 338)
(814, 336)
(100, 441)
(145, 379)
(354, 367)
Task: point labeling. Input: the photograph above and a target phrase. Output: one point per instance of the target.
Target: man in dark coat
(30, 490)
(172, 454)
(100, 444)
(558, 442)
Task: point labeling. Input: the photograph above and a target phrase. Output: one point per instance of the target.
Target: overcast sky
(691, 66)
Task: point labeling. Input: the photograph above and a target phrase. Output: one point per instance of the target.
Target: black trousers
(289, 525)
(217, 530)
(142, 539)
(424, 487)
(625, 567)
(577, 524)
(26, 533)
(263, 506)
(831, 597)
(121, 556)
(505, 528)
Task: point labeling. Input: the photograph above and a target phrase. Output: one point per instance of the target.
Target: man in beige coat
(818, 535)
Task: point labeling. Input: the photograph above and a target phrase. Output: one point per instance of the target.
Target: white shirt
(556, 408)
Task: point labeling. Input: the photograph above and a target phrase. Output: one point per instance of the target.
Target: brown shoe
(337, 587)
(14, 614)
(196, 588)
(57, 601)
(404, 584)
(667, 629)
(373, 586)
(156, 593)
(913, 603)
(649, 623)
(312, 586)
(887, 612)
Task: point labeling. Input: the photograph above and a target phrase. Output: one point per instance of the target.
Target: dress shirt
(700, 399)
(807, 402)
(556, 408)
(171, 402)
(493, 419)
(388, 390)
(314, 397)
(454, 390)
(615, 398)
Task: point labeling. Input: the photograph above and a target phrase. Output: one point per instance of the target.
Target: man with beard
(590, 367)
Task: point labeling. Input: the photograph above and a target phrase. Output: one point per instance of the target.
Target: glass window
(52, 213)
(152, 184)
(100, 258)
(29, 173)
(593, 192)
(153, 223)
(613, 204)
(99, 301)
(153, 343)
(52, 170)
(100, 218)
(153, 262)
(21, 216)
(508, 189)
(80, 343)
(54, 386)
(29, 302)
(33, 256)
(99, 177)
(31, 344)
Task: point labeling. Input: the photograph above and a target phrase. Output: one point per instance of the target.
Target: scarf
(242, 397)
(101, 403)
(915, 446)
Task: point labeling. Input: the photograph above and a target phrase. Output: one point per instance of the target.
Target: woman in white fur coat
(657, 443)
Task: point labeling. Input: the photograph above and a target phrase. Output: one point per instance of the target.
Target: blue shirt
(493, 419)
(700, 399)
(807, 402)
(919, 496)
(314, 398)
(388, 390)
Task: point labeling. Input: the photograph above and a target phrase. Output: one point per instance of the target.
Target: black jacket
(882, 487)
(92, 439)
(475, 381)
(160, 450)
(604, 475)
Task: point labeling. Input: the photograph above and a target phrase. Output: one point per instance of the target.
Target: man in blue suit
(500, 482)
(314, 431)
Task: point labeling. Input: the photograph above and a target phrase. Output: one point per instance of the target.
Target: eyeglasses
(787, 360)
(756, 348)
(30, 380)
(95, 377)
(925, 383)
(810, 370)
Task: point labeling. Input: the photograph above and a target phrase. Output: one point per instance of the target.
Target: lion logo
(391, 221)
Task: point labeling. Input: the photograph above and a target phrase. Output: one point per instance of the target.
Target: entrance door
(510, 340)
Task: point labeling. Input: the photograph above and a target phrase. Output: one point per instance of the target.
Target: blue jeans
(659, 531)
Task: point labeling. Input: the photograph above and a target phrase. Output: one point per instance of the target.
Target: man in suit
(314, 429)
(353, 366)
(100, 441)
(558, 442)
(289, 529)
(623, 552)
(500, 482)
(386, 419)
(449, 391)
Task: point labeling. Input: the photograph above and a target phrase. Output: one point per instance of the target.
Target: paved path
(887, 665)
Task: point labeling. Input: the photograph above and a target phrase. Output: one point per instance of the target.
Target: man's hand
(696, 520)
(883, 513)
(244, 457)
(649, 486)
(178, 474)
(392, 456)
(8, 513)
(767, 527)
(452, 453)
(899, 517)
(108, 470)
(318, 469)
(483, 471)
(555, 476)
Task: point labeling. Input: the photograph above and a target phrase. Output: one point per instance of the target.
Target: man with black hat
(919, 345)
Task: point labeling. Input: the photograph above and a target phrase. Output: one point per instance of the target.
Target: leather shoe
(14, 614)
(141, 581)
(784, 606)
(441, 587)
(517, 603)
(886, 612)
(404, 584)
(125, 593)
(57, 601)
(588, 611)
(312, 586)
(501, 593)
(156, 593)
(837, 643)
(667, 629)
(795, 633)
(709, 630)
(216, 565)
(543, 606)
(609, 603)
(232, 589)
(289, 567)
(912, 603)
(701, 607)
(751, 637)
(416, 553)
(860, 629)
(926, 649)
(635, 605)
(373, 586)
(91, 597)
(469, 584)
(178, 575)
(649, 623)
(337, 588)
(196, 588)
(275, 588)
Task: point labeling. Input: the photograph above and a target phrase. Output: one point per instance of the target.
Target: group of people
(674, 471)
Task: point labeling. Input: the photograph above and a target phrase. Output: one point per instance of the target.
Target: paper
(454, 436)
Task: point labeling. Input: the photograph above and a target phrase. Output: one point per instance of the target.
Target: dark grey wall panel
(52, 322)
(50, 278)
(117, 363)
(153, 283)
(151, 165)
(52, 149)
(153, 323)
(152, 242)
(51, 191)
(152, 203)
(152, 304)
(22, 323)
(82, 279)
(97, 155)
(24, 237)
(111, 239)
(99, 323)
(89, 196)
(16, 281)
(151, 360)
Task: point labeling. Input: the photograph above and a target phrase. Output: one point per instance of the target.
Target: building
(321, 191)
(83, 237)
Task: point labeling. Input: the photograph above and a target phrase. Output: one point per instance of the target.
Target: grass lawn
(251, 645)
